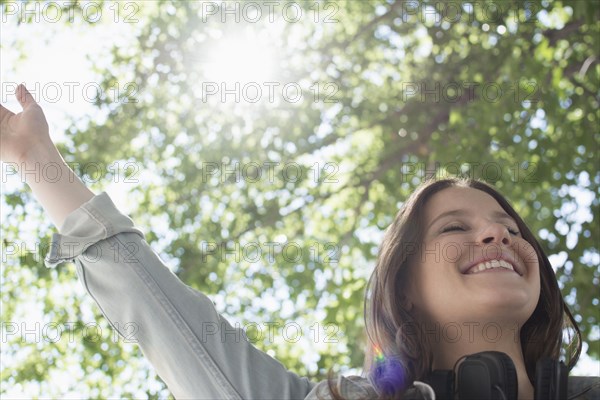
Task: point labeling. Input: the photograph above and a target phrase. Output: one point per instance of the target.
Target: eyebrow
(463, 212)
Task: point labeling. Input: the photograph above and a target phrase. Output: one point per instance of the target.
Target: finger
(25, 98)
(5, 113)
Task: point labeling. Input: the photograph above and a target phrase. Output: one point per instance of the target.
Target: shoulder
(360, 388)
(578, 384)
(349, 387)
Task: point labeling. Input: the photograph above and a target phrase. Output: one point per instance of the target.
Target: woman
(446, 297)
(458, 273)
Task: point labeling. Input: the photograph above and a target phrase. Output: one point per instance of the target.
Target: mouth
(492, 265)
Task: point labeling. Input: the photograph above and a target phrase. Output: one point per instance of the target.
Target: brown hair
(386, 316)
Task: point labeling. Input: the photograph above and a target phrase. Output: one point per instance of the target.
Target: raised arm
(193, 349)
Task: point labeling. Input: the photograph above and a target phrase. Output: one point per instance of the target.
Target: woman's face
(473, 264)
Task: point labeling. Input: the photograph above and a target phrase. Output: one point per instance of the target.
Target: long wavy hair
(394, 356)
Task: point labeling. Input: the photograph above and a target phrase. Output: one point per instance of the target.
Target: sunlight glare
(248, 58)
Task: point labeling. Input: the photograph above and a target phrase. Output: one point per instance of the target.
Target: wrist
(40, 152)
(43, 162)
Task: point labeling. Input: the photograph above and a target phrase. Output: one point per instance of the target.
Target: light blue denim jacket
(133, 287)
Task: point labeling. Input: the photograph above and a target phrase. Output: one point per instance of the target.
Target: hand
(24, 139)
(23, 132)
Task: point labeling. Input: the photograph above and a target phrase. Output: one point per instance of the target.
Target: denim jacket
(132, 285)
(174, 324)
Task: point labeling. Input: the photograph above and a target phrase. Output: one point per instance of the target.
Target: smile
(488, 265)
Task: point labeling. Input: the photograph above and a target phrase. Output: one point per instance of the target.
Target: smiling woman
(443, 292)
(429, 304)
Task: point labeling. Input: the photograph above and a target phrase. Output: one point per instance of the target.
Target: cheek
(527, 254)
(418, 284)
(451, 252)
(431, 288)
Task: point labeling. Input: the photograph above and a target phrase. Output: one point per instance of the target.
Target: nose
(495, 233)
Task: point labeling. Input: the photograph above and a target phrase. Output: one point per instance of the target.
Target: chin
(507, 305)
(505, 294)
(502, 309)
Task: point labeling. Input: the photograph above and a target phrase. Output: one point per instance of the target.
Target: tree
(276, 207)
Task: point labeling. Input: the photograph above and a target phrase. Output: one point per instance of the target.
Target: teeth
(506, 265)
(491, 264)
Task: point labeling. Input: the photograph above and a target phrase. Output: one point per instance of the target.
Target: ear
(407, 304)
(409, 299)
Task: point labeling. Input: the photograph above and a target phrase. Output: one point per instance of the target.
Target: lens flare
(388, 373)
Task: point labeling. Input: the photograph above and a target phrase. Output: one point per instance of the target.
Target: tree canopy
(265, 173)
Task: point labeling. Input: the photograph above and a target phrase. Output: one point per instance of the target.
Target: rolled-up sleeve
(193, 349)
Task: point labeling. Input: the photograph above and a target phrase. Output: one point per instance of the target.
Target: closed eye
(512, 231)
(450, 228)
(453, 228)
